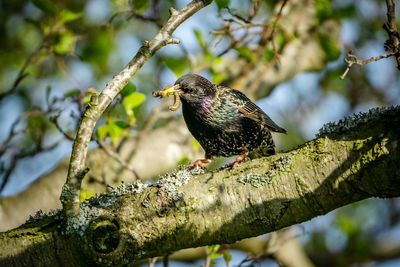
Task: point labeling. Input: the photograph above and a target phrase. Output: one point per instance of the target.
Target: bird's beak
(170, 90)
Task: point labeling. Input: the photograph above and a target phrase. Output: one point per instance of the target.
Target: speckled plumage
(224, 120)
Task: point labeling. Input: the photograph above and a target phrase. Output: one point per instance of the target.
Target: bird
(223, 120)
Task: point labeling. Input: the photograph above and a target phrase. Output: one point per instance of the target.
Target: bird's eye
(187, 90)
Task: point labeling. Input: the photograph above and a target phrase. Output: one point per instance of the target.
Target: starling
(222, 119)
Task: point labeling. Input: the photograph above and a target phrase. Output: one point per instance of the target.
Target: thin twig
(22, 74)
(166, 261)
(351, 59)
(13, 132)
(153, 17)
(23, 154)
(268, 37)
(54, 120)
(151, 261)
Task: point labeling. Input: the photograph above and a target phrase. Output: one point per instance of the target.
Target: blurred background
(286, 55)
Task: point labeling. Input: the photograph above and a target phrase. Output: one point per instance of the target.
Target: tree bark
(355, 159)
(176, 141)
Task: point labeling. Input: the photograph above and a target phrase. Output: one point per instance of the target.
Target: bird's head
(192, 89)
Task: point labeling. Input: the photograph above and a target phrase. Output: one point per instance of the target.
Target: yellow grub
(176, 103)
(173, 90)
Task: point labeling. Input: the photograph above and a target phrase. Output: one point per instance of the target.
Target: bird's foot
(239, 159)
(200, 163)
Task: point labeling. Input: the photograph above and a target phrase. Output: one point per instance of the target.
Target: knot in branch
(105, 236)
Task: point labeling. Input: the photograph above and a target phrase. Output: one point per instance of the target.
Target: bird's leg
(239, 159)
(200, 163)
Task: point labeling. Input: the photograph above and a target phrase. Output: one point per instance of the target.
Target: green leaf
(245, 53)
(115, 133)
(268, 54)
(183, 160)
(97, 51)
(195, 144)
(213, 251)
(347, 224)
(72, 93)
(46, 6)
(131, 102)
(227, 257)
(330, 47)
(122, 124)
(324, 9)
(102, 132)
(85, 194)
(280, 39)
(200, 38)
(216, 63)
(178, 66)
(67, 15)
(218, 73)
(128, 89)
(222, 3)
(218, 77)
(65, 43)
(114, 129)
(36, 125)
(140, 5)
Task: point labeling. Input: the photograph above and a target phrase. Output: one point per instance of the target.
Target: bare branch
(71, 189)
(352, 59)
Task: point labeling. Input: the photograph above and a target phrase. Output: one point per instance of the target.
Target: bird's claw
(239, 159)
(200, 163)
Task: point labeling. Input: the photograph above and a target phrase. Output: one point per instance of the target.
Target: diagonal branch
(352, 160)
(393, 43)
(98, 103)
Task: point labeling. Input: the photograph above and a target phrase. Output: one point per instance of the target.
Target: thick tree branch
(355, 159)
(165, 153)
(98, 104)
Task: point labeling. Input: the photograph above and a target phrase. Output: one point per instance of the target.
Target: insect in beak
(168, 91)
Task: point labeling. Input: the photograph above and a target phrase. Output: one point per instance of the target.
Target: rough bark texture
(356, 159)
(166, 145)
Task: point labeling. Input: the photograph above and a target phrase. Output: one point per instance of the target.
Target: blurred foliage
(324, 10)
(140, 5)
(222, 3)
(216, 251)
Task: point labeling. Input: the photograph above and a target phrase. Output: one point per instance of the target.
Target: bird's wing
(252, 111)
